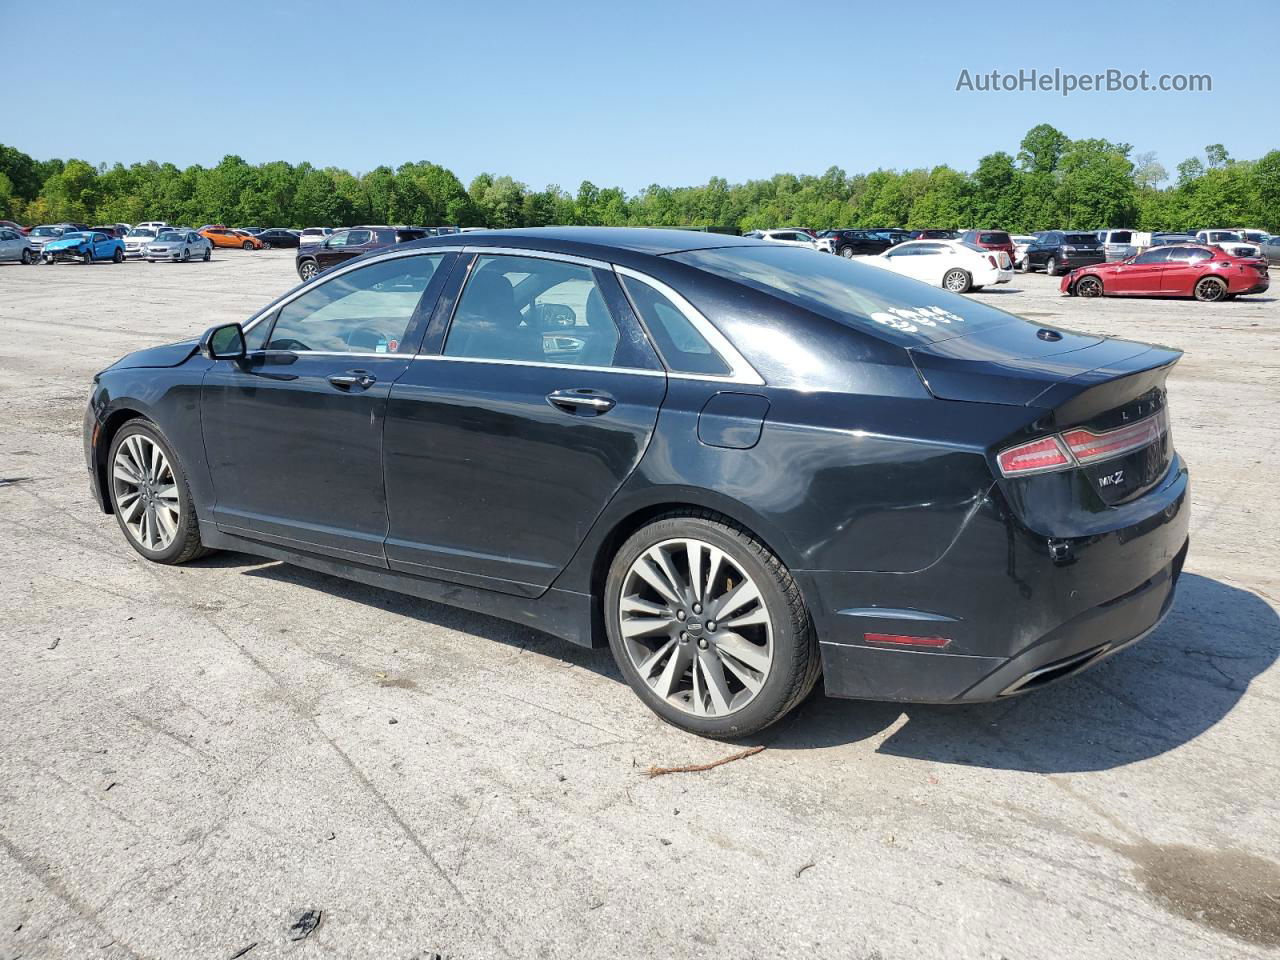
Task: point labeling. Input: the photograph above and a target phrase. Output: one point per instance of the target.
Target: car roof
(596, 242)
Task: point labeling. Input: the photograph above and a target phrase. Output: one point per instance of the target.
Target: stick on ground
(698, 767)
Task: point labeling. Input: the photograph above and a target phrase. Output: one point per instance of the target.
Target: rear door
(293, 433)
(1182, 270)
(526, 412)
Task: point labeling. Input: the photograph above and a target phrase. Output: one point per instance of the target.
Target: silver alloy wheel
(309, 269)
(695, 627)
(145, 492)
(1051, 267)
(956, 281)
(847, 253)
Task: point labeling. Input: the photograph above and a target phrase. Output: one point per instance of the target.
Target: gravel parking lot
(194, 758)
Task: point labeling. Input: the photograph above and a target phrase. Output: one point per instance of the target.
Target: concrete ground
(192, 759)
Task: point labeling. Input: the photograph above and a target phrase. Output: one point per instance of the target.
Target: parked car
(182, 245)
(278, 237)
(1175, 239)
(314, 235)
(1207, 273)
(1020, 243)
(112, 230)
(1056, 251)
(1120, 244)
(136, 240)
(349, 244)
(226, 237)
(990, 240)
(950, 264)
(409, 420)
(152, 224)
(44, 233)
(1271, 249)
(250, 230)
(19, 228)
(856, 243)
(83, 245)
(932, 234)
(1254, 236)
(790, 236)
(1232, 241)
(16, 247)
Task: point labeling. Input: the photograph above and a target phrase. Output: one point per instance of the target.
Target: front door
(503, 448)
(293, 433)
(1143, 274)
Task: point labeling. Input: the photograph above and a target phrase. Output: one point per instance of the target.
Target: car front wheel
(246, 245)
(150, 495)
(708, 627)
(308, 269)
(28, 257)
(208, 253)
(957, 281)
(87, 256)
(846, 252)
(1088, 287)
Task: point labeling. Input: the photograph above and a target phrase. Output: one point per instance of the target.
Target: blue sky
(624, 95)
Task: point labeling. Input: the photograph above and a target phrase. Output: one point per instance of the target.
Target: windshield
(857, 295)
(47, 232)
(141, 232)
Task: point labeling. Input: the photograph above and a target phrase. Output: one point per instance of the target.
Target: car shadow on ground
(1144, 701)
(1147, 700)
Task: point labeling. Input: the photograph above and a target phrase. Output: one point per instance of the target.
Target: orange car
(226, 237)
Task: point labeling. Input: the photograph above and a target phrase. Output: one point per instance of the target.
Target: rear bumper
(1017, 611)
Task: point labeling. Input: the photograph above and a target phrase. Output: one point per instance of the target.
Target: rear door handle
(581, 402)
(353, 378)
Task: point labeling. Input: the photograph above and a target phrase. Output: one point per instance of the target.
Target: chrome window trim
(337, 272)
(740, 370)
(539, 255)
(641, 371)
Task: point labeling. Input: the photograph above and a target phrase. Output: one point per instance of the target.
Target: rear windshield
(1087, 239)
(995, 237)
(858, 295)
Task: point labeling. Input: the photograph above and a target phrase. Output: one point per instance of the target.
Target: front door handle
(353, 378)
(581, 402)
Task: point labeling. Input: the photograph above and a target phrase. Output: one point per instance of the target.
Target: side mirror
(223, 343)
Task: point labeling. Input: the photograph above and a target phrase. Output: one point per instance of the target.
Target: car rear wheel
(1051, 267)
(28, 257)
(957, 281)
(208, 253)
(150, 495)
(265, 245)
(1088, 287)
(708, 626)
(308, 269)
(1210, 289)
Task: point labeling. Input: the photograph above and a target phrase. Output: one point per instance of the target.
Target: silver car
(136, 240)
(14, 246)
(48, 232)
(182, 245)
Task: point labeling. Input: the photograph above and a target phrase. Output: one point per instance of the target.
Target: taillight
(992, 260)
(1044, 454)
(1089, 447)
(1079, 447)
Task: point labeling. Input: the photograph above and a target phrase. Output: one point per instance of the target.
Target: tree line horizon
(1052, 181)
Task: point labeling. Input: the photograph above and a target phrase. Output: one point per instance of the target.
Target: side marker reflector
(901, 640)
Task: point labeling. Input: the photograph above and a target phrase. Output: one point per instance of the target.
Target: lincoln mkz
(740, 465)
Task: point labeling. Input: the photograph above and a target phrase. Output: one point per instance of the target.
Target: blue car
(85, 246)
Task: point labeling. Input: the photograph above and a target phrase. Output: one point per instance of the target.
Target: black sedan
(740, 465)
(278, 237)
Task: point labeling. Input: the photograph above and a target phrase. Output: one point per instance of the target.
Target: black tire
(846, 252)
(957, 281)
(208, 254)
(246, 245)
(28, 257)
(186, 255)
(186, 543)
(1026, 266)
(265, 245)
(88, 256)
(1210, 289)
(1088, 286)
(1051, 267)
(796, 663)
(117, 256)
(308, 269)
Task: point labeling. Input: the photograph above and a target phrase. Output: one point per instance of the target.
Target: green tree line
(1051, 181)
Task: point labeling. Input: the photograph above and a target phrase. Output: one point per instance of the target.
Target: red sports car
(1206, 273)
